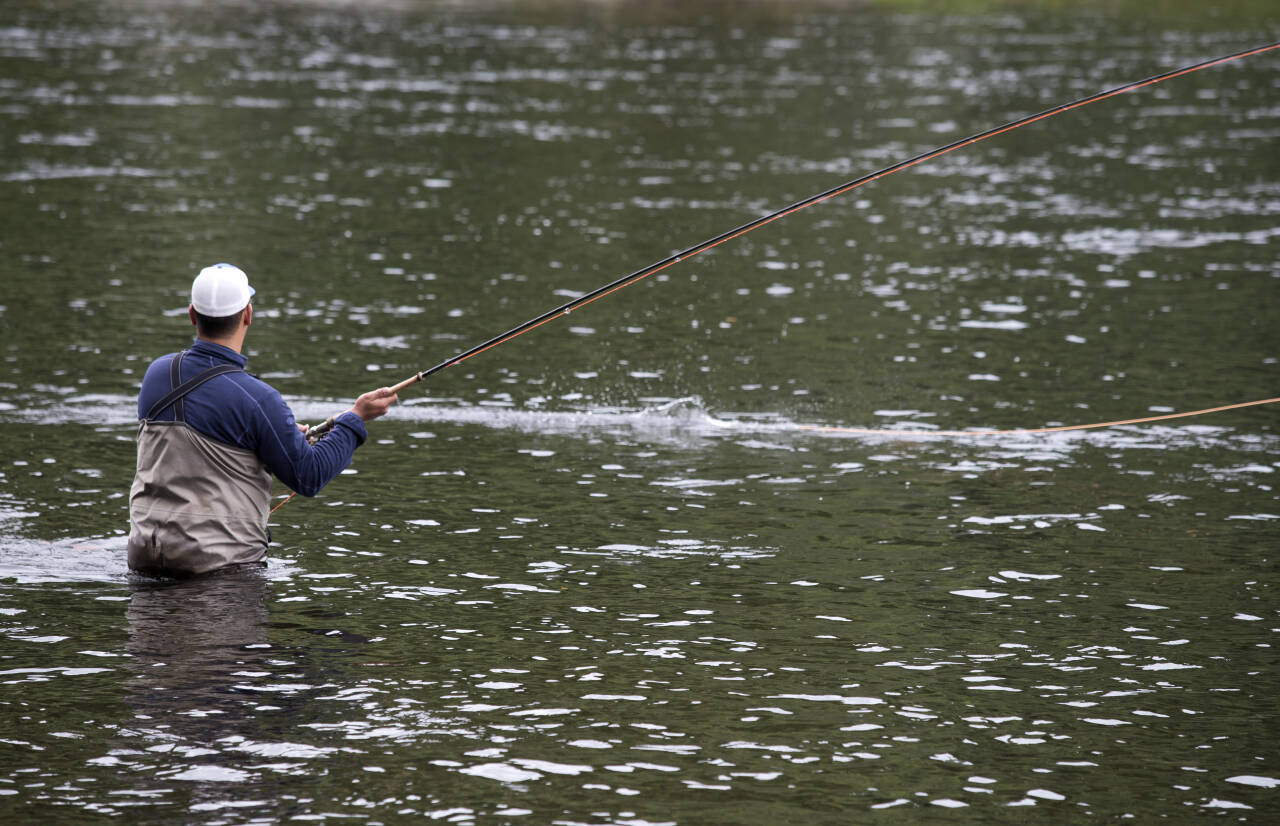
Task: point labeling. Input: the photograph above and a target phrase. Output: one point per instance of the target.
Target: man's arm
(302, 466)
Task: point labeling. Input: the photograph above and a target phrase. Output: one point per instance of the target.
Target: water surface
(604, 573)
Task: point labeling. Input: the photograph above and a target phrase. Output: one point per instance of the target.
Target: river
(632, 567)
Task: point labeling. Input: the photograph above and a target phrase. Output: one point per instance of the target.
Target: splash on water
(685, 419)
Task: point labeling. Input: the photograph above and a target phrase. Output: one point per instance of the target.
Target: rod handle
(416, 377)
(316, 432)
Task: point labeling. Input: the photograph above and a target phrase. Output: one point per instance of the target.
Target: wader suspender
(177, 391)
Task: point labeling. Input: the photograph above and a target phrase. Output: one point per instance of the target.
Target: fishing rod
(319, 430)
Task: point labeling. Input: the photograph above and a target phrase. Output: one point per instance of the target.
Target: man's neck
(231, 342)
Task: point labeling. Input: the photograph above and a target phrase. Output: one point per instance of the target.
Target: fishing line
(1032, 430)
(600, 292)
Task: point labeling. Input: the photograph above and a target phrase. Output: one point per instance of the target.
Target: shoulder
(250, 380)
(160, 365)
(255, 389)
(262, 404)
(155, 381)
(240, 409)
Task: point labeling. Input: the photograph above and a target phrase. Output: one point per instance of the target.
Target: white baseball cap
(221, 290)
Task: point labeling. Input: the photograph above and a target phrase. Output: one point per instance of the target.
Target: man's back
(243, 411)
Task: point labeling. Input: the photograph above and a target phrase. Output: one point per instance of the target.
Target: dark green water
(600, 574)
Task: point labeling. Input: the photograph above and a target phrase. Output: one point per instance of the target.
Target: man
(211, 438)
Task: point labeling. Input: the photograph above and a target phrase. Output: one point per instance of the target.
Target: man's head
(219, 296)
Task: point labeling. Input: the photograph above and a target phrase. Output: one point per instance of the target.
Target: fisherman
(212, 436)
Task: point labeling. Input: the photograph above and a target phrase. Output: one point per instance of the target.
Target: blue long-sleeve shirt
(243, 411)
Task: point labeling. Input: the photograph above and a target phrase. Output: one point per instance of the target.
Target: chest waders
(196, 504)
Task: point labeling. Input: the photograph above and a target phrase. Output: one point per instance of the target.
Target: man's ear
(247, 316)
(191, 313)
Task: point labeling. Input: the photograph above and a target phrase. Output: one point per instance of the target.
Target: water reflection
(190, 638)
(194, 644)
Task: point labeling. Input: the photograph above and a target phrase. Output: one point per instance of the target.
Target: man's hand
(373, 404)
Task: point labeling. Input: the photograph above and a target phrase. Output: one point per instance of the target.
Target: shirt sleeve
(304, 467)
